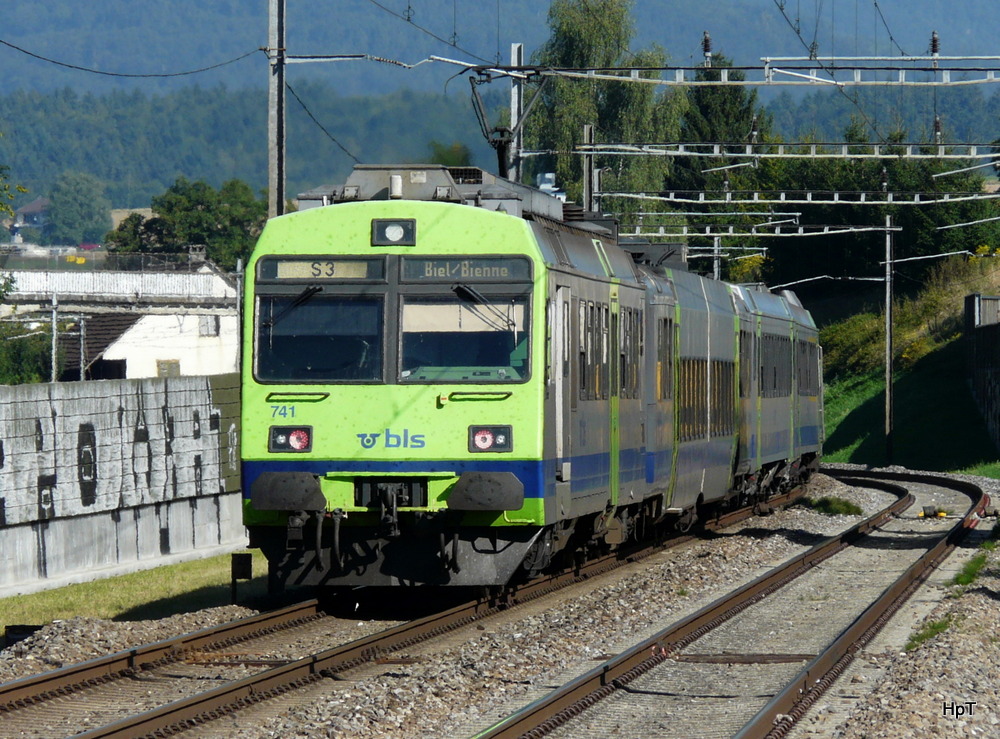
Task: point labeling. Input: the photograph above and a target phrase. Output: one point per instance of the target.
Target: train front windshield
(393, 330)
(315, 338)
(465, 336)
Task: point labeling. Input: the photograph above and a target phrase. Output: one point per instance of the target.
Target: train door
(614, 400)
(563, 390)
(561, 379)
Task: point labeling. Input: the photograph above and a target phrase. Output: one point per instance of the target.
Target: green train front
(393, 386)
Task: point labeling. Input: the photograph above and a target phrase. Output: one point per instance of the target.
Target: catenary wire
(781, 9)
(321, 128)
(427, 31)
(125, 74)
(892, 39)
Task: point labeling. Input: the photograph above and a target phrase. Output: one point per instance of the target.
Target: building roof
(100, 331)
(38, 205)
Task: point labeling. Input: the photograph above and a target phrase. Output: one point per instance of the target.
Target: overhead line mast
(276, 109)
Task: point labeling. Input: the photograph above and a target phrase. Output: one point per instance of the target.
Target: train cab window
(311, 337)
(465, 337)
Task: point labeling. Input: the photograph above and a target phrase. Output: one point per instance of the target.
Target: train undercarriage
(414, 548)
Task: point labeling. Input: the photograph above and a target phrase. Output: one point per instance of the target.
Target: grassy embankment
(150, 594)
(937, 427)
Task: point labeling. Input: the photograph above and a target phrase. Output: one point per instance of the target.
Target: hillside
(142, 37)
(937, 425)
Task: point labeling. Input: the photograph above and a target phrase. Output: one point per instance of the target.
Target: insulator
(706, 43)
(935, 43)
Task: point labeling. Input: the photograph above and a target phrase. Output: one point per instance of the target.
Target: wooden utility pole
(276, 109)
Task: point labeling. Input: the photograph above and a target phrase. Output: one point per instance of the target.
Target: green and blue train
(454, 379)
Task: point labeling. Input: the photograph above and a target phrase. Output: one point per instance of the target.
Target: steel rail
(233, 696)
(782, 712)
(538, 718)
(35, 688)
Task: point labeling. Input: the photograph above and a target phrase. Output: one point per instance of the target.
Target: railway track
(158, 689)
(744, 666)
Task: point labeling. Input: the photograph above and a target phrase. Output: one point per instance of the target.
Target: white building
(180, 319)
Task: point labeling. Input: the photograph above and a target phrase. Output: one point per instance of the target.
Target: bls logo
(406, 440)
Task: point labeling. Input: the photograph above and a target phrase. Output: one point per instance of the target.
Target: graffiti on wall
(75, 448)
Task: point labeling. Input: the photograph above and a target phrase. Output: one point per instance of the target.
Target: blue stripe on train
(531, 473)
(809, 436)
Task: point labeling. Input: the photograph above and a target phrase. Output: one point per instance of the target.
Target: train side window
(550, 349)
(746, 362)
(685, 410)
(635, 353)
(639, 347)
(776, 366)
(630, 353)
(622, 351)
(665, 358)
(723, 403)
(694, 399)
(806, 361)
(601, 361)
(566, 339)
(593, 347)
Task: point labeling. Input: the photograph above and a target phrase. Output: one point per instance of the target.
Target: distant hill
(138, 133)
(143, 37)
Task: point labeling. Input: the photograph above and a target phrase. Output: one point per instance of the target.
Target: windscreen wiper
(471, 295)
(302, 297)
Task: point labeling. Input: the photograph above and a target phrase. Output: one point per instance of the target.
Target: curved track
(744, 666)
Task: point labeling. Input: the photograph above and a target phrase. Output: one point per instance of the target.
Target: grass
(150, 594)
(928, 631)
(936, 423)
(971, 569)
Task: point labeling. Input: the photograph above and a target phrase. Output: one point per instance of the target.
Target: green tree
(79, 211)
(226, 221)
(455, 154)
(862, 254)
(719, 114)
(7, 191)
(128, 237)
(25, 355)
(597, 33)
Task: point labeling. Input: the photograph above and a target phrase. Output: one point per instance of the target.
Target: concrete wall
(984, 354)
(116, 475)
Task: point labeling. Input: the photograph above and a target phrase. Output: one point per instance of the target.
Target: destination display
(482, 269)
(321, 269)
